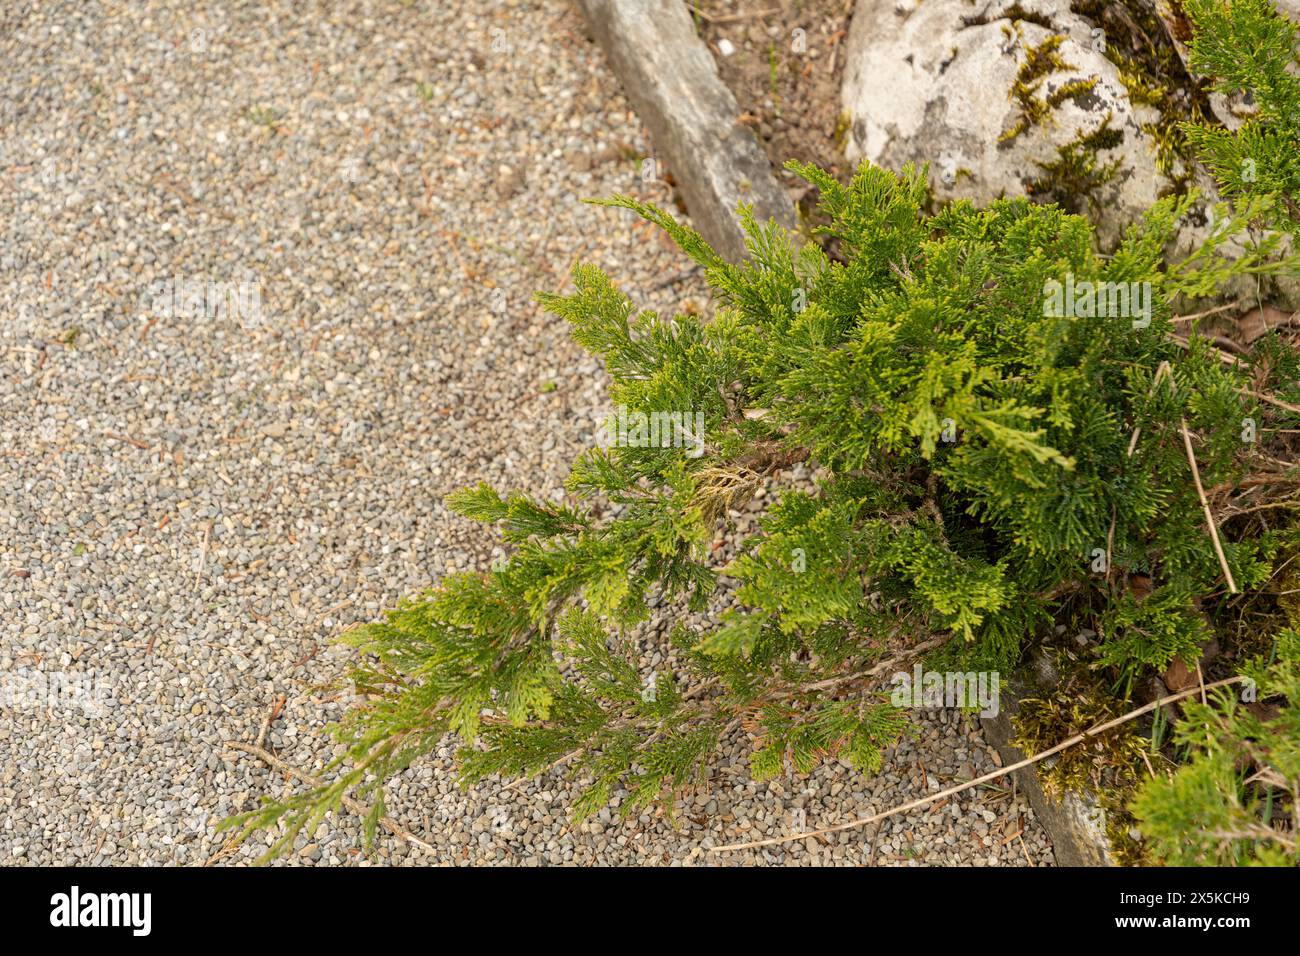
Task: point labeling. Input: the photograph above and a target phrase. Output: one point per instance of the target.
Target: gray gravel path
(195, 500)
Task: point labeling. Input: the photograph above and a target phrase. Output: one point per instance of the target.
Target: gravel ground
(194, 500)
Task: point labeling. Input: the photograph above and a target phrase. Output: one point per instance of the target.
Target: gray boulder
(1015, 97)
(999, 99)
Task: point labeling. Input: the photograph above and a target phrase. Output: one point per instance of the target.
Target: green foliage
(1228, 805)
(977, 448)
(1232, 799)
(1250, 48)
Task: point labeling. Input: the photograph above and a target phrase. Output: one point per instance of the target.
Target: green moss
(267, 116)
(1151, 71)
(1014, 13)
(1079, 700)
(1110, 765)
(1120, 826)
(1071, 90)
(1287, 577)
(1153, 74)
(1073, 178)
(1041, 61)
(842, 126)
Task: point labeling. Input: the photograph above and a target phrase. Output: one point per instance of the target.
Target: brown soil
(786, 82)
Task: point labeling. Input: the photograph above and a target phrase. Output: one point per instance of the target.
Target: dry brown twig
(1208, 312)
(1165, 370)
(1205, 506)
(1234, 360)
(356, 806)
(271, 715)
(877, 668)
(1003, 771)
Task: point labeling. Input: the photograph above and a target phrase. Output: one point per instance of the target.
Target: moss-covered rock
(1076, 102)
(1004, 99)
